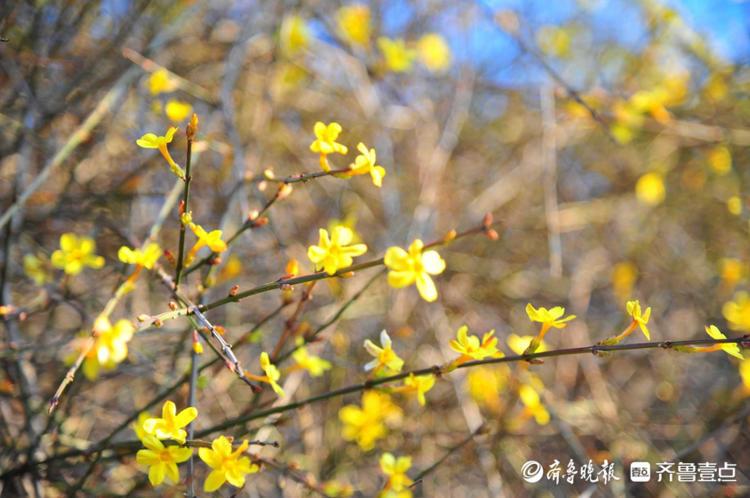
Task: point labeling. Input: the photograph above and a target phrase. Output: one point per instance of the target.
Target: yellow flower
(745, 375)
(734, 205)
(634, 310)
(272, 373)
(364, 163)
(419, 384)
(650, 189)
(469, 347)
(732, 349)
(160, 82)
(325, 139)
(530, 398)
(145, 258)
(110, 346)
(720, 160)
(140, 431)
(519, 343)
(334, 253)
(548, 317)
(177, 110)
(153, 141)
(161, 461)
(354, 24)
(732, 271)
(211, 239)
(313, 364)
(434, 52)
(485, 384)
(624, 275)
(294, 35)
(171, 423)
(386, 360)
(398, 58)
(75, 254)
(414, 266)
(395, 470)
(737, 312)
(37, 268)
(228, 466)
(368, 424)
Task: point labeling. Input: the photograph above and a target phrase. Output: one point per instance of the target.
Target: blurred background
(608, 139)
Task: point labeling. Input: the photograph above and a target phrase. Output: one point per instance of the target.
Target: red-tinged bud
(451, 235)
(172, 305)
(192, 127)
(487, 220)
(214, 260)
(158, 323)
(253, 215)
(143, 317)
(170, 257)
(181, 208)
(234, 290)
(260, 222)
(348, 274)
(221, 330)
(492, 234)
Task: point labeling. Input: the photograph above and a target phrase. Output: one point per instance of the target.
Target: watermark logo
(640, 472)
(532, 471)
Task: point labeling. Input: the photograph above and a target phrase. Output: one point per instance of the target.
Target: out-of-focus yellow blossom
(232, 268)
(364, 163)
(335, 252)
(386, 360)
(153, 141)
(734, 205)
(227, 465)
(531, 400)
(161, 461)
(554, 41)
(368, 424)
(720, 159)
(145, 258)
(336, 489)
(110, 346)
(737, 312)
(398, 58)
(732, 271)
(294, 36)
(395, 470)
(177, 110)
(434, 52)
(414, 267)
(37, 268)
(419, 385)
(354, 24)
(519, 343)
(170, 424)
(649, 189)
(313, 364)
(640, 318)
(716, 88)
(485, 384)
(272, 373)
(624, 275)
(745, 375)
(732, 349)
(75, 254)
(160, 82)
(140, 431)
(471, 348)
(211, 239)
